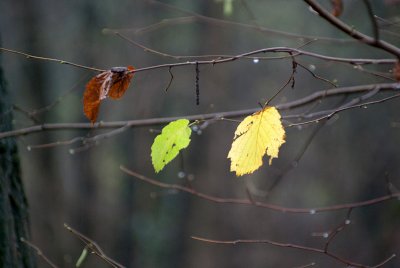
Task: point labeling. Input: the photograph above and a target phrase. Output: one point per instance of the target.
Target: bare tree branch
(221, 58)
(219, 115)
(356, 62)
(290, 51)
(29, 56)
(251, 202)
(347, 106)
(290, 245)
(333, 233)
(39, 252)
(95, 249)
(222, 22)
(297, 157)
(352, 32)
(306, 266)
(375, 28)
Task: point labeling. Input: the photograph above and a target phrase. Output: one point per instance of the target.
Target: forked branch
(219, 115)
(39, 252)
(372, 41)
(251, 202)
(94, 248)
(295, 246)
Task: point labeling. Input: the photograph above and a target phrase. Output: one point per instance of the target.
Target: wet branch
(93, 247)
(39, 252)
(372, 41)
(290, 245)
(123, 125)
(218, 59)
(29, 56)
(349, 105)
(252, 202)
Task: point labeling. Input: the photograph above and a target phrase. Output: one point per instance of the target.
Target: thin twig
(146, 49)
(384, 261)
(214, 56)
(291, 78)
(28, 114)
(248, 202)
(197, 84)
(39, 252)
(375, 28)
(387, 23)
(278, 244)
(32, 115)
(54, 144)
(351, 103)
(48, 107)
(273, 207)
(29, 56)
(152, 27)
(294, 162)
(332, 234)
(316, 76)
(306, 266)
(330, 114)
(92, 245)
(220, 60)
(87, 142)
(171, 78)
(385, 75)
(222, 22)
(290, 245)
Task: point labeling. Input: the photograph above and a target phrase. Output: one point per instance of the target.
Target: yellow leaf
(258, 134)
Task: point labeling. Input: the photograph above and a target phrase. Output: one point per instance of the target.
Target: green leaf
(174, 137)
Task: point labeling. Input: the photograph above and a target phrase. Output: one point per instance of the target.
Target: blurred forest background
(349, 159)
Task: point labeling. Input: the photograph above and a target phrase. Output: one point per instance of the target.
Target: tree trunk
(14, 220)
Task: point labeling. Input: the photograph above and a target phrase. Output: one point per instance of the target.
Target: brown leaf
(91, 97)
(337, 7)
(111, 83)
